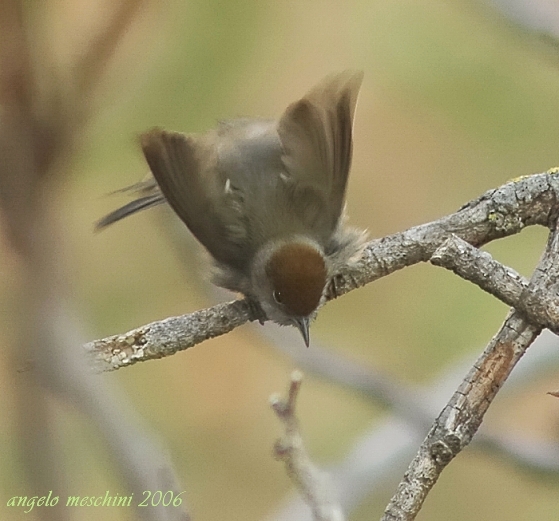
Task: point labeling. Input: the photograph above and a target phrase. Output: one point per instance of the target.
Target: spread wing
(186, 172)
(316, 135)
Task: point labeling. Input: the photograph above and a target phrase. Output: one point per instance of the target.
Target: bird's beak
(303, 326)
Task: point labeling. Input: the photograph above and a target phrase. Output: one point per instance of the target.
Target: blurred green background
(455, 101)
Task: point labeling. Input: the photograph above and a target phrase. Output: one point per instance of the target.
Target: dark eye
(277, 296)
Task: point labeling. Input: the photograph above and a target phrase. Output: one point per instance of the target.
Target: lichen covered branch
(498, 213)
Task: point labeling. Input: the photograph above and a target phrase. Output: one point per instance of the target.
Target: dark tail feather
(143, 203)
(147, 186)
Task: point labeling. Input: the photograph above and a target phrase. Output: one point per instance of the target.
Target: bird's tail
(151, 197)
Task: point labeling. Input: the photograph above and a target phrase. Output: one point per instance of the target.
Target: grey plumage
(251, 187)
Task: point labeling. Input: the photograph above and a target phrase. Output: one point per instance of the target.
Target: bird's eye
(277, 296)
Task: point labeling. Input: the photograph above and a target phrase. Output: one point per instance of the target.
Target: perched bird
(265, 198)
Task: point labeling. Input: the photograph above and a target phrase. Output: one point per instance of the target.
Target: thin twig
(379, 454)
(312, 483)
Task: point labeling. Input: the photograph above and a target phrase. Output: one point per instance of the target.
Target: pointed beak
(303, 326)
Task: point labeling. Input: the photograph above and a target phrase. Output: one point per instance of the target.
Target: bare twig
(166, 337)
(538, 305)
(380, 453)
(460, 419)
(312, 483)
(498, 213)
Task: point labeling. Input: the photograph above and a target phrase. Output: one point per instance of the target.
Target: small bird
(265, 198)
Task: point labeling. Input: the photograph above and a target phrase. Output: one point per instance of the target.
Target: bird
(265, 198)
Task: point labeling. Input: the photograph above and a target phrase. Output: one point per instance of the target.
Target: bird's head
(289, 278)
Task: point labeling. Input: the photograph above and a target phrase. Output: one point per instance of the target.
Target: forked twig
(498, 213)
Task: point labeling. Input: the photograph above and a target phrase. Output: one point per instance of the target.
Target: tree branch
(378, 453)
(537, 304)
(462, 416)
(498, 213)
(460, 419)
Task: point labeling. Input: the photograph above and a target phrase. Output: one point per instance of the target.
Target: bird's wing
(185, 170)
(316, 135)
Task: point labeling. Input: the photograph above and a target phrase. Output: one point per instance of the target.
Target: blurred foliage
(455, 101)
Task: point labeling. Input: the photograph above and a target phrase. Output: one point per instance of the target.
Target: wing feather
(185, 171)
(316, 135)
